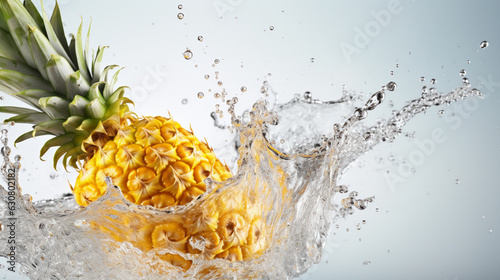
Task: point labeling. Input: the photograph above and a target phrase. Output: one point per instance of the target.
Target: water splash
(56, 239)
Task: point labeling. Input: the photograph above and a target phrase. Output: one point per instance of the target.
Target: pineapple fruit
(153, 160)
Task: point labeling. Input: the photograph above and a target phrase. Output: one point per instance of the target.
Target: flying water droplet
(243, 89)
(179, 7)
(216, 61)
(391, 86)
(422, 79)
(312, 59)
(180, 15)
(184, 101)
(462, 73)
(457, 181)
(207, 77)
(433, 81)
(484, 44)
(440, 112)
(308, 96)
(271, 28)
(200, 38)
(219, 83)
(188, 54)
(201, 94)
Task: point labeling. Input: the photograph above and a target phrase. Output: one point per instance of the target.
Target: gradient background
(426, 226)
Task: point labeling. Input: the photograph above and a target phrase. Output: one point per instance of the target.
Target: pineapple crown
(71, 98)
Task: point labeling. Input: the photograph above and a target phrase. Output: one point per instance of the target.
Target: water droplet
(364, 221)
(200, 38)
(376, 209)
(358, 227)
(219, 83)
(422, 79)
(271, 28)
(217, 95)
(392, 73)
(1, 97)
(180, 15)
(465, 81)
(462, 72)
(360, 113)
(457, 181)
(12, 123)
(200, 94)
(440, 112)
(17, 158)
(367, 262)
(179, 6)
(484, 44)
(312, 59)
(490, 230)
(391, 86)
(397, 65)
(188, 54)
(184, 101)
(282, 141)
(234, 100)
(207, 77)
(483, 217)
(216, 61)
(243, 88)
(433, 81)
(468, 61)
(308, 96)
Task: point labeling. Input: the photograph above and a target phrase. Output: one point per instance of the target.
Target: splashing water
(289, 158)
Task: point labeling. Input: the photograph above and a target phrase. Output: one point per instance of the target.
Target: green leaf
(53, 127)
(32, 96)
(73, 154)
(80, 55)
(55, 106)
(28, 135)
(16, 110)
(8, 47)
(57, 25)
(88, 125)
(117, 95)
(86, 51)
(104, 75)
(18, 19)
(30, 7)
(13, 81)
(72, 49)
(72, 123)
(54, 39)
(61, 151)
(77, 106)
(96, 64)
(13, 65)
(31, 118)
(76, 85)
(95, 109)
(41, 50)
(58, 70)
(55, 142)
(95, 93)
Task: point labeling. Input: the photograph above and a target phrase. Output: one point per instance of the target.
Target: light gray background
(427, 226)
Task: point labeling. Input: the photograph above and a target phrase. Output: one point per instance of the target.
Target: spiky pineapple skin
(154, 161)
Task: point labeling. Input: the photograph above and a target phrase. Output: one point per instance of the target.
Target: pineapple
(153, 160)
